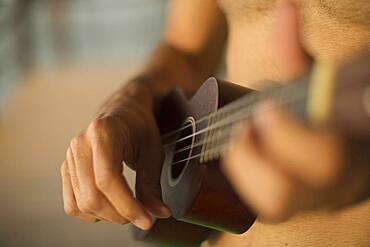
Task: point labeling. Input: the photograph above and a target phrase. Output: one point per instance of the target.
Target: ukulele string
(247, 111)
(222, 124)
(214, 150)
(236, 104)
(223, 145)
(252, 96)
(247, 99)
(344, 85)
(224, 140)
(232, 121)
(198, 155)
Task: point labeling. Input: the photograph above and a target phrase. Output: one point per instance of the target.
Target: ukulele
(197, 131)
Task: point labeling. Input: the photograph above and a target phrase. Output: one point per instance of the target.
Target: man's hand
(279, 166)
(93, 185)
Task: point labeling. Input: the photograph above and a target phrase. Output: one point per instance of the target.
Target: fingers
(282, 167)
(311, 156)
(89, 199)
(149, 193)
(69, 200)
(263, 187)
(148, 188)
(113, 186)
(94, 162)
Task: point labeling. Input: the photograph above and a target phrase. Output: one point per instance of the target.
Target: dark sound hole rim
(176, 172)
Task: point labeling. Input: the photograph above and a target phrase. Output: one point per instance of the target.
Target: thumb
(289, 55)
(147, 188)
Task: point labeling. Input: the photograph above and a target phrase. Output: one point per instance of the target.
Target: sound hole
(183, 149)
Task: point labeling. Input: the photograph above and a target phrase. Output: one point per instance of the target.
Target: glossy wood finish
(171, 232)
(201, 200)
(203, 196)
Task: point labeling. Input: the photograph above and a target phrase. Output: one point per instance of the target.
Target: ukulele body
(201, 199)
(197, 192)
(171, 232)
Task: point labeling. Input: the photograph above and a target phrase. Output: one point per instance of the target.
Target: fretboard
(216, 136)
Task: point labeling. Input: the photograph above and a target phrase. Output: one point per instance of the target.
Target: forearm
(168, 67)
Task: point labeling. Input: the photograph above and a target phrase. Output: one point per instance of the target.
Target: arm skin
(186, 56)
(125, 129)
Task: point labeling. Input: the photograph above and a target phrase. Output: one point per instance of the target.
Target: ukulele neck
(218, 132)
(335, 98)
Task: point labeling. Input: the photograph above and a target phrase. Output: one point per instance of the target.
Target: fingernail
(160, 211)
(164, 212)
(143, 223)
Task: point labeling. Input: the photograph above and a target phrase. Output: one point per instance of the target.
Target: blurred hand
(93, 185)
(279, 166)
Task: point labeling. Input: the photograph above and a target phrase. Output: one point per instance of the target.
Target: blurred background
(59, 60)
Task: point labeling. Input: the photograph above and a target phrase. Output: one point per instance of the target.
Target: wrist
(133, 95)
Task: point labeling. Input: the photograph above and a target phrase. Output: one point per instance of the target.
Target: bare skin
(263, 43)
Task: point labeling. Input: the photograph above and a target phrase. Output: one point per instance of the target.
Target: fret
(208, 140)
(218, 130)
(226, 136)
(207, 134)
(212, 136)
(202, 152)
(218, 134)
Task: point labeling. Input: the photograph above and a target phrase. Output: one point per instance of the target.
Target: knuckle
(103, 182)
(77, 142)
(97, 126)
(89, 203)
(129, 213)
(101, 130)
